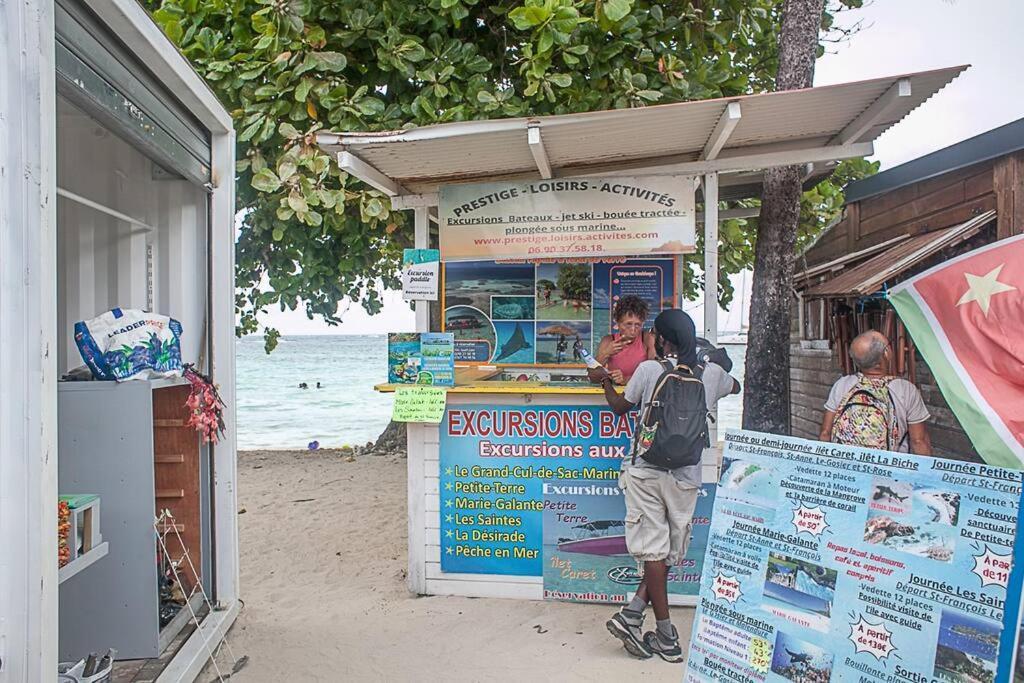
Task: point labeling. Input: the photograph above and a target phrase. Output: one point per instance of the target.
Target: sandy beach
(323, 561)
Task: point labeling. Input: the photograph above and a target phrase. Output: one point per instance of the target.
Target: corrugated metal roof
(993, 144)
(660, 138)
(868, 277)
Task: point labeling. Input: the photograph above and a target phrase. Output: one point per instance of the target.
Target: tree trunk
(766, 391)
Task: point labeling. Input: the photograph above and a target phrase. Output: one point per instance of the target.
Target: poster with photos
(517, 313)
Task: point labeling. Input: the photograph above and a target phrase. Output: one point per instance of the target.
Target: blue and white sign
(834, 563)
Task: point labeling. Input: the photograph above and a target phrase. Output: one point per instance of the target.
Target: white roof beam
(353, 165)
(723, 129)
(874, 114)
(540, 154)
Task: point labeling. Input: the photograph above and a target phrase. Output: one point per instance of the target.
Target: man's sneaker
(627, 626)
(667, 650)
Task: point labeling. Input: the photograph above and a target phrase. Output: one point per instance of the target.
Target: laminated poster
(834, 563)
(420, 270)
(585, 555)
(533, 491)
(421, 358)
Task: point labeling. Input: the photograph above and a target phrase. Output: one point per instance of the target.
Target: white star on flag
(982, 288)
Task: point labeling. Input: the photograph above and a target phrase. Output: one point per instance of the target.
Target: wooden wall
(929, 205)
(812, 373)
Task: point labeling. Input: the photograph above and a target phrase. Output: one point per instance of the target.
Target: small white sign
(420, 271)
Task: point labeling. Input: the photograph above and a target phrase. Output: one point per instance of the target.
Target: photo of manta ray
(800, 661)
(515, 342)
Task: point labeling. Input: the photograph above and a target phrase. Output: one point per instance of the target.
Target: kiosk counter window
(515, 493)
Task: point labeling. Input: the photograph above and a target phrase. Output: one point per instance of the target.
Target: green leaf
(561, 80)
(547, 40)
(278, 234)
(173, 30)
(370, 106)
(485, 97)
(616, 10)
(374, 207)
(412, 51)
(289, 131)
(650, 95)
(286, 169)
(329, 61)
(448, 4)
(526, 18)
(302, 90)
(297, 202)
(266, 181)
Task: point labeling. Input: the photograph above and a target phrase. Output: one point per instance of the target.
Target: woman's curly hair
(630, 305)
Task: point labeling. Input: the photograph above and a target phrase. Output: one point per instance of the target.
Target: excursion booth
(541, 224)
(117, 193)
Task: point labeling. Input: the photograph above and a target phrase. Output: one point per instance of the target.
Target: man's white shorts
(659, 514)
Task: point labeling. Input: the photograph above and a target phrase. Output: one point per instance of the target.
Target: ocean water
(273, 412)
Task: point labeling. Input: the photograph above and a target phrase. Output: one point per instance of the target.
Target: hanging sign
(564, 218)
(828, 562)
(419, 404)
(420, 268)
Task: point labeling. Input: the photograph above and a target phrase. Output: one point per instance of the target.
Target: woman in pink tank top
(621, 353)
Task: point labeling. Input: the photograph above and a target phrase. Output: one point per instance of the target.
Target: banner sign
(835, 563)
(585, 556)
(420, 271)
(421, 358)
(533, 491)
(566, 218)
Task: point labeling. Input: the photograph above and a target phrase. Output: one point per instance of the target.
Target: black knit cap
(678, 328)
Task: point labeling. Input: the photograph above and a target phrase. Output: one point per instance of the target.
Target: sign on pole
(828, 562)
(566, 218)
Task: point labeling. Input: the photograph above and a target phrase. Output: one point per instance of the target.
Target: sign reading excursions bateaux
(562, 218)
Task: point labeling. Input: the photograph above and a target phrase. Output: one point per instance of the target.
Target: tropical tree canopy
(286, 69)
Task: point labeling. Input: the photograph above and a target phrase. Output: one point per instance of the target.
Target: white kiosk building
(116, 190)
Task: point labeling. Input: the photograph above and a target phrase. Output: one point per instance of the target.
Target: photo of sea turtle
(513, 307)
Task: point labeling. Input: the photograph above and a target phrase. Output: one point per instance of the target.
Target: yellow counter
(512, 388)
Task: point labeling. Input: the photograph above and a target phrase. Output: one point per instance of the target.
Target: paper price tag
(418, 403)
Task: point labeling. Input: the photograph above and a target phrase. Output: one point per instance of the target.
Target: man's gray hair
(867, 355)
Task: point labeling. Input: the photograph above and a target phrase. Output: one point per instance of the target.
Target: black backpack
(673, 428)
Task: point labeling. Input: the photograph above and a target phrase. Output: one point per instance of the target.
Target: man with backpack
(873, 408)
(661, 477)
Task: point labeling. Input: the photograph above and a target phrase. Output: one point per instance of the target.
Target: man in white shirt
(873, 408)
(660, 502)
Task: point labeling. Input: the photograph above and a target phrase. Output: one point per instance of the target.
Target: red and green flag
(967, 318)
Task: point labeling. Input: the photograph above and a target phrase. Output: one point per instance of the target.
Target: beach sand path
(323, 558)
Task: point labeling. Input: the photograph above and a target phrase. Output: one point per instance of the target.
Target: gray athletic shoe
(670, 651)
(627, 626)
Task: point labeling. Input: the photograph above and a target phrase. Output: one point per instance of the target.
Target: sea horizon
(273, 413)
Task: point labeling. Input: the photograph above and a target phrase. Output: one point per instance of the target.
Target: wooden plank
(951, 216)
(1006, 184)
(892, 219)
(980, 183)
(1018, 195)
(177, 483)
(170, 423)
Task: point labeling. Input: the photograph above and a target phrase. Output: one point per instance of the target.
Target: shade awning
(812, 127)
(868, 277)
